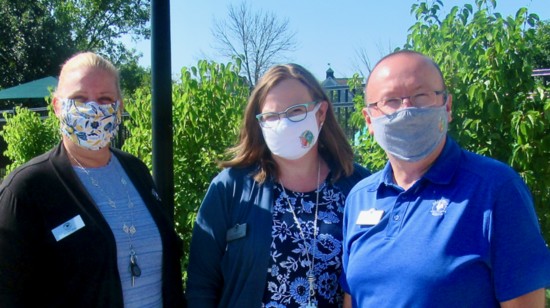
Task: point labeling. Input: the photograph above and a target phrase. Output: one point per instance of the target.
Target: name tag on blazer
(67, 228)
(236, 232)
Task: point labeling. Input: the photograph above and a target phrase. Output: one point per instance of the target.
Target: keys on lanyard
(135, 271)
(311, 280)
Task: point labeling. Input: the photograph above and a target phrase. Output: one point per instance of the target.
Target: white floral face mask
(293, 140)
(89, 124)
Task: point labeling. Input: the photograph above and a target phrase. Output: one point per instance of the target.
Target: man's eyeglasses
(294, 113)
(390, 105)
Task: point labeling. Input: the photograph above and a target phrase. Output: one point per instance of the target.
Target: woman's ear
(323, 111)
(55, 103)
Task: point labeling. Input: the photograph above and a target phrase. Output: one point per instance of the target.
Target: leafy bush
(27, 136)
(499, 109)
(368, 152)
(208, 104)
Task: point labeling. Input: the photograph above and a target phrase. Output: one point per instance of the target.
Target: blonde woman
(82, 225)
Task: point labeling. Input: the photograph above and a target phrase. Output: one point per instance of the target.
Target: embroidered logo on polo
(439, 207)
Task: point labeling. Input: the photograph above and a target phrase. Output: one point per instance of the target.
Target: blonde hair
(90, 60)
(251, 149)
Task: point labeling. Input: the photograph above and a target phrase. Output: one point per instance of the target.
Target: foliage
(498, 108)
(208, 103)
(31, 46)
(96, 24)
(368, 152)
(36, 37)
(133, 76)
(27, 135)
(257, 39)
(541, 58)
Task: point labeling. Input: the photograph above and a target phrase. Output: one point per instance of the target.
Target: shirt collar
(445, 166)
(442, 170)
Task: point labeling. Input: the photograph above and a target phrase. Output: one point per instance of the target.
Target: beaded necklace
(130, 229)
(310, 274)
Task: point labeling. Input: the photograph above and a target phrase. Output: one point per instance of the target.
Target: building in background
(341, 97)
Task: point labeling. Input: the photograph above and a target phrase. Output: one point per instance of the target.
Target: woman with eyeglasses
(269, 230)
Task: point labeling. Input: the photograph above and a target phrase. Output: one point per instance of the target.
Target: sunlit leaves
(208, 104)
(499, 109)
(27, 135)
(37, 36)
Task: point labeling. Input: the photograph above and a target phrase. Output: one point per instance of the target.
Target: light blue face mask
(411, 134)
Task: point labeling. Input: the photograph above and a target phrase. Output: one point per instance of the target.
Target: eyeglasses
(387, 106)
(294, 113)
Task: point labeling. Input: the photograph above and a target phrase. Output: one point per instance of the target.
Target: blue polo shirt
(464, 235)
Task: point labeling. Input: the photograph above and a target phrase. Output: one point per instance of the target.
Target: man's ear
(367, 119)
(449, 108)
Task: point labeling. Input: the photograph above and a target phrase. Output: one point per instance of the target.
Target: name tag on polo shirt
(67, 228)
(370, 217)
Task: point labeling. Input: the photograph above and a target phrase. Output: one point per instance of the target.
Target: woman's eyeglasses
(294, 113)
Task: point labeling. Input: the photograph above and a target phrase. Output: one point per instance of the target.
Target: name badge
(67, 228)
(370, 217)
(236, 232)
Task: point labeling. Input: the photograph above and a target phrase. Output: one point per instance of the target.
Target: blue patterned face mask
(411, 134)
(89, 124)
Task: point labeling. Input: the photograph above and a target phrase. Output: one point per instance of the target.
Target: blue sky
(327, 31)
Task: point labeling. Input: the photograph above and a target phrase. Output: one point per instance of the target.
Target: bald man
(438, 226)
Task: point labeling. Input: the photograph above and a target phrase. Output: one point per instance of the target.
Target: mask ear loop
(321, 125)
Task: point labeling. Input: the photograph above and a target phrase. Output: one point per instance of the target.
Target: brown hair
(251, 149)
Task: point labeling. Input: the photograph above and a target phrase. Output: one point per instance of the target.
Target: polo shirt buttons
(396, 217)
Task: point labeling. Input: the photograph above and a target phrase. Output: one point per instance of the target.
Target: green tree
(368, 152)
(31, 46)
(97, 25)
(208, 104)
(499, 109)
(36, 37)
(541, 58)
(132, 75)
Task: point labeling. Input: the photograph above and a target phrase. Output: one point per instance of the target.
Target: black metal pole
(163, 161)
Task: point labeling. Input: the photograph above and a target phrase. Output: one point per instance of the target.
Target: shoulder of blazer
(360, 171)
(36, 169)
(347, 183)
